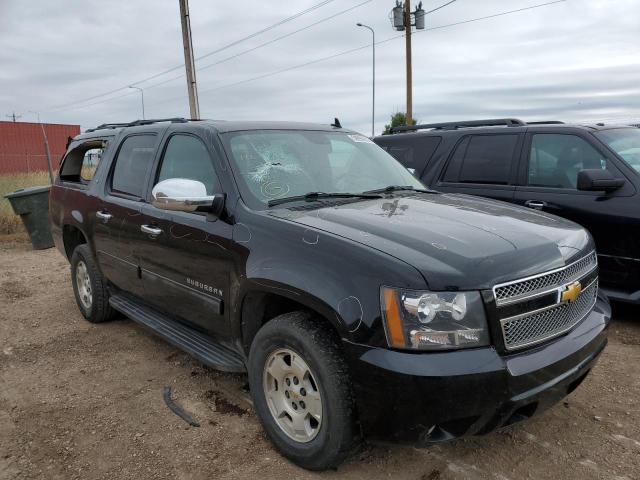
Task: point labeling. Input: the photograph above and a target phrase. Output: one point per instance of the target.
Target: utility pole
(13, 116)
(189, 61)
(407, 36)
(402, 18)
(46, 147)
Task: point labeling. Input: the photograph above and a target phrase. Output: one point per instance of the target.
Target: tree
(397, 119)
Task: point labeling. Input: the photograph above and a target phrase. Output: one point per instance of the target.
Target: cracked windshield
(273, 165)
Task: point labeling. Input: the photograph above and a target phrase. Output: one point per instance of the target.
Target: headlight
(433, 320)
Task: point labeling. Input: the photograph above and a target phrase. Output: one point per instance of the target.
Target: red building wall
(22, 145)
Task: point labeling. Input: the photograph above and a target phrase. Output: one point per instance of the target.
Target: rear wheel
(89, 286)
(302, 392)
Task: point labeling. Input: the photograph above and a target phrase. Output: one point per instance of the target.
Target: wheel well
(260, 307)
(72, 237)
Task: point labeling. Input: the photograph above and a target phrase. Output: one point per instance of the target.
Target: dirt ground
(85, 401)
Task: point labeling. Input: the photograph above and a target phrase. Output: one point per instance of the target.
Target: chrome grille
(536, 327)
(519, 289)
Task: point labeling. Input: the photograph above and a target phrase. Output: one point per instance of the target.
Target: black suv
(588, 174)
(359, 302)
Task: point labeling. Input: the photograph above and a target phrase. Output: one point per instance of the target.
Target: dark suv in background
(588, 174)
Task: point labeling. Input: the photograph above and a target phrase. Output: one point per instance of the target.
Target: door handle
(535, 204)
(103, 215)
(151, 230)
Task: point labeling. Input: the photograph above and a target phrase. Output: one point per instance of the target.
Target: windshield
(273, 164)
(625, 142)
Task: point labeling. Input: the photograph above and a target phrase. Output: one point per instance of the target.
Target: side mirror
(184, 195)
(598, 180)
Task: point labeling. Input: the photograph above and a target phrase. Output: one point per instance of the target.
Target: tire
(97, 309)
(328, 442)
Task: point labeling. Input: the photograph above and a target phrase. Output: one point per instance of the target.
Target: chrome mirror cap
(180, 194)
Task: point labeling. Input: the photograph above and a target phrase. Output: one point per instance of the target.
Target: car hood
(455, 241)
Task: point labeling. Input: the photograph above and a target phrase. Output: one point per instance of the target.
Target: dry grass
(10, 224)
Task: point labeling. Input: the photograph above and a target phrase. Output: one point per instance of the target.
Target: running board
(196, 344)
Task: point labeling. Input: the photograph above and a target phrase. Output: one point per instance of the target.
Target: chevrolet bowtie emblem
(571, 292)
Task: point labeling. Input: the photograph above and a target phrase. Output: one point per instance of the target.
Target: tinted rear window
(411, 152)
(132, 165)
(482, 159)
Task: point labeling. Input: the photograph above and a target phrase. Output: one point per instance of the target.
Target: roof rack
(548, 122)
(509, 122)
(136, 123)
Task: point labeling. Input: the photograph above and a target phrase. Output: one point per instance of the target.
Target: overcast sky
(577, 60)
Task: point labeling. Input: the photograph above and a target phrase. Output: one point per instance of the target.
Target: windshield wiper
(395, 188)
(313, 196)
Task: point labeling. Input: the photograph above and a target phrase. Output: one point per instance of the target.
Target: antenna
(336, 123)
(14, 116)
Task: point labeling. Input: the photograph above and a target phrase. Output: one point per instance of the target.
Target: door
(482, 164)
(186, 265)
(549, 179)
(117, 234)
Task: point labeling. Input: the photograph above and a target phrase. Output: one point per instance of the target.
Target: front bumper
(422, 397)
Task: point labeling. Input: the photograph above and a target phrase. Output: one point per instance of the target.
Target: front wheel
(302, 392)
(89, 286)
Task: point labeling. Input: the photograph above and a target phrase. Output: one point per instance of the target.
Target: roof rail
(548, 122)
(136, 123)
(509, 122)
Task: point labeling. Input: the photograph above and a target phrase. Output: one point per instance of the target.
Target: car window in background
(485, 159)
(556, 159)
(272, 164)
(187, 157)
(90, 163)
(625, 142)
(133, 162)
(414, 152)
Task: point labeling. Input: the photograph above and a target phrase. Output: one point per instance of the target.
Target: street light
(373, 101)
(142, 96)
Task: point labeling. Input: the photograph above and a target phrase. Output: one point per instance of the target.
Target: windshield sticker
(359, 139)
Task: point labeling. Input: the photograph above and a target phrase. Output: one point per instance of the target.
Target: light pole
(46, 146)
(373, 89)
(142, 96)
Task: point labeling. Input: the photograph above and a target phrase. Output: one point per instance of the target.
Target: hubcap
(293, 395)
(83, 283)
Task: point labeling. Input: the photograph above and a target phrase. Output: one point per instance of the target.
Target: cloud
(575, 61)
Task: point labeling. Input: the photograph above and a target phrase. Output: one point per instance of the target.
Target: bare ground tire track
(85, 401)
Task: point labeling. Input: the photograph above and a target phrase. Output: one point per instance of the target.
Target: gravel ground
(85, 401)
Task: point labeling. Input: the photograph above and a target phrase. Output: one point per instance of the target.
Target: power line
(531, 7)
(236, 42)
(346, 52)
(315, 7)
(339, 54)
(438, 8)
(244, 52)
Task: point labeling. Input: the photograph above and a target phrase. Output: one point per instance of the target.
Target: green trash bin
(32, 204)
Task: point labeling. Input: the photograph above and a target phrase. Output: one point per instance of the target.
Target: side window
(132, 165)
(90, 163)
(187, 157)
(414, 153)
(482, 159)
(81, 163)
(556, 159)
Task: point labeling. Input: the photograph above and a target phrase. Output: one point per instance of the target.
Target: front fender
(338, 278)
